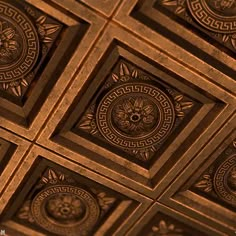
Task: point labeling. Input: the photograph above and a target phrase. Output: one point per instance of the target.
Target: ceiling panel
(117, 117)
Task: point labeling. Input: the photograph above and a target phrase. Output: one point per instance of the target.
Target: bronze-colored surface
(117, 117)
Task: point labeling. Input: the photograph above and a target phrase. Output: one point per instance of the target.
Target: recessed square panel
(53, 200)
(134, 112)
(218, 181)
(30, 39)
(161, 220)
(208, 193)
(216, 18)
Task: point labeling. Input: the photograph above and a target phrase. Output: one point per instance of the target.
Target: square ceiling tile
(116, 74)
(209, 191)
(55, 200)
(43, 44)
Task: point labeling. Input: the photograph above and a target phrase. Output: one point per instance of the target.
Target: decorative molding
(165, 229)
(134, 113)
(23, 41)
(60, 206)
(216, 16)
(220, 179)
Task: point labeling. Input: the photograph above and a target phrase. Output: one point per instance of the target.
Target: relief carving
(134, 114)
(216, 16)
(221, 180)
(21, 43)
(165, 229)
(61, 207)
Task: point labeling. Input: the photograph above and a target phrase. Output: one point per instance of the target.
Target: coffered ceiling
(117, 117)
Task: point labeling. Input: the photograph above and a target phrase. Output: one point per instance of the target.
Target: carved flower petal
(233, 42)
(52, 174)
(128, 107)
(24, 82)
(12, 45)
(8, 33)
(45, 180)
(47, 40)
(115, 77)
(148, 109)
(124, 123)
(124, 70)
(148, 119)
(134, 74)
(50, 28)
(208, 189)
(121, 114)
(225, 37)
(179, 10)
(145, 155)
(155, 229)
(234, 144)
(171, 227)
(178, 98)
(202, 184)
(67, 199)
(132, 127)
(85, 124)
(163, 227)
(41, 19)
(138, 104)
(180, 114)
(5, 86)
(186, 105)
(16, 90)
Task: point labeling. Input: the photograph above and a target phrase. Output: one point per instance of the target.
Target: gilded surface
(117, 117)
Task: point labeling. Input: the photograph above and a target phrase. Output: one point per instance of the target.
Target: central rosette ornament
(65, 208)
(135, 116)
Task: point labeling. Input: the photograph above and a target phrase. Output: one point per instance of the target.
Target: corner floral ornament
(21, 41)
(164, 229)
(217, 16)
(45, 29)
(63, 208)
(134, 114)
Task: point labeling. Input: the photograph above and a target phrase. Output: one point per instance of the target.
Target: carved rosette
(19, 45)
(220, 180)
(65, 210)
(134, 113)
(22, 41)
(216, 16)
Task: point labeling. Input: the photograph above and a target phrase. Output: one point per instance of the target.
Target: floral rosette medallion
(225, 180)
(65, 210)
(135, 115)
(215, 15)
(19, 44)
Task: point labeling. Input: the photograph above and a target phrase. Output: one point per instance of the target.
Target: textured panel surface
(117, 117)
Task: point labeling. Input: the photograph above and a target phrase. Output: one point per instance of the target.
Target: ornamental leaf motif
(205, 183)
(165, 229)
